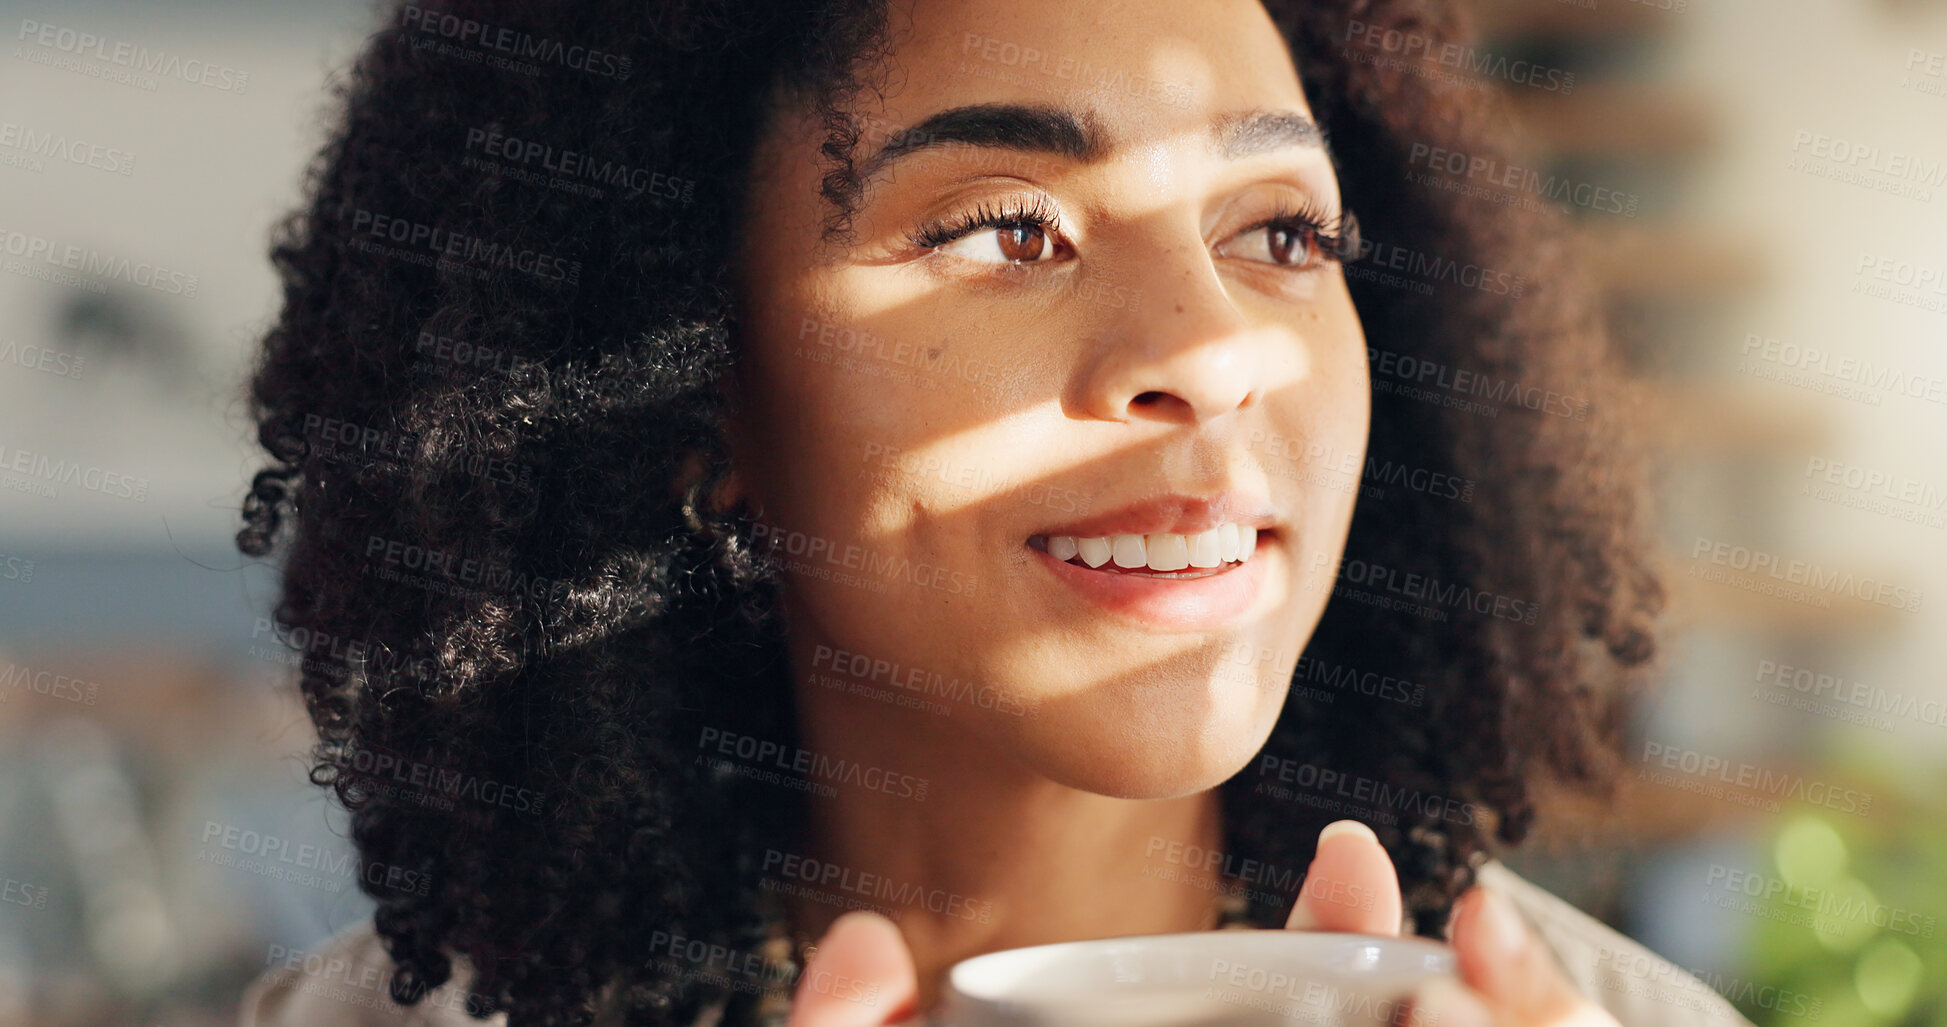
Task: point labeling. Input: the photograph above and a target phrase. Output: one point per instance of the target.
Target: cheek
(826, 437)
(867, 467)
(852, 440)
(1341, 403)
(883, 418)
(1317, 450)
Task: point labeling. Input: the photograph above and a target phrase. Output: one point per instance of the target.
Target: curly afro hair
(489, 405)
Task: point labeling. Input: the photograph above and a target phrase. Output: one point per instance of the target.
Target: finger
(860, 975)
(1443, 1002)
(1500, 957)
(1350, 886)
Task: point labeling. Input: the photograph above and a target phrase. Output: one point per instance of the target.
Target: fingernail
(1301, 918)
(1338, 827)
(1502, 924)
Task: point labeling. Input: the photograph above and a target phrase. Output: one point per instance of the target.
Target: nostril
(1161, 405)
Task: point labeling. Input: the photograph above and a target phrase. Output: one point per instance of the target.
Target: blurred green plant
(1851, 912)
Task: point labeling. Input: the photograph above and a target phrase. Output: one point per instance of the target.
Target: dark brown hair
(484, 392)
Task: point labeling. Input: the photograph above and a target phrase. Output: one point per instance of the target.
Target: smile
(1158, 553)
(1190, 598)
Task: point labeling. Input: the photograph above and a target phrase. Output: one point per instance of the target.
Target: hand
(860, 975)
(1507, 977)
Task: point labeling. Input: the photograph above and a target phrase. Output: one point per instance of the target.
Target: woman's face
(925, 410)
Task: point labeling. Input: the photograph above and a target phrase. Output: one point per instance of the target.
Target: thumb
(1350, 886)
(860, 975)
(1500, 957)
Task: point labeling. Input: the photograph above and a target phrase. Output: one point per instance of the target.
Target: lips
(1173, 514)
(1173, 563)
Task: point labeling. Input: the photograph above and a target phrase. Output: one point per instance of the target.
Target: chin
(1148, 746)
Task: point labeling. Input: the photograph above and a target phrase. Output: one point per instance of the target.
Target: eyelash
(1336, 236)
(1041, 214)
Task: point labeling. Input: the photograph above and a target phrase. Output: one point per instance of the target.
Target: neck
(991, 854)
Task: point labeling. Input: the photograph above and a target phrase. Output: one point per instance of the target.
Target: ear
(729, 491)
(734, 487)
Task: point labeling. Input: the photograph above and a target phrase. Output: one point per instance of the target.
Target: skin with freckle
(1245, 346)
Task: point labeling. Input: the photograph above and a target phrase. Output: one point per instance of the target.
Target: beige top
(345, 982)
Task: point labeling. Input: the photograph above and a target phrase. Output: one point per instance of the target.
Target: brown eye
(1290, 242)
(1292, 247)
(1287, 244)
(1022, 243)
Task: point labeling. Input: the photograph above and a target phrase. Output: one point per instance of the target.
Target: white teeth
(1167, 552)
(1162, 551)
(1205, 550)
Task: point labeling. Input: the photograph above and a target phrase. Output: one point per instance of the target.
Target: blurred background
(1765, 187)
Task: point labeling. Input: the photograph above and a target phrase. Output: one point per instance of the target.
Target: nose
(1184, 355)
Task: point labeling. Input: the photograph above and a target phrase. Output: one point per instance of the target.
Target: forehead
(1135, 72)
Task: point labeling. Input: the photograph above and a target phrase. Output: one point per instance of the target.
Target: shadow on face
(1087, 294)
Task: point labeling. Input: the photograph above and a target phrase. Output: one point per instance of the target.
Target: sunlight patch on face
(961, 458)
(1159, 165)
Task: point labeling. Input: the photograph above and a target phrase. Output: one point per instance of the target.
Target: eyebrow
(1249, 133)
(1043, 128)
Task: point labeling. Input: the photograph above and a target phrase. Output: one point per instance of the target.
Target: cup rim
(1438, 951)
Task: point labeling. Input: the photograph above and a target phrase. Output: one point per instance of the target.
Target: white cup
(1234, 978)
